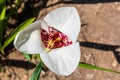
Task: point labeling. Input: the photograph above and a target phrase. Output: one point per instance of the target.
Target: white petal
(66, 20)
(29, 40)
(34, 44)
(62, 61)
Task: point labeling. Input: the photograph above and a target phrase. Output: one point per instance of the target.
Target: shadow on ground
(89, 1)
(105, 47)
(18, 63)
(82, 2)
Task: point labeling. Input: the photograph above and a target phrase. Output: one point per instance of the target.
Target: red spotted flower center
(54, 39)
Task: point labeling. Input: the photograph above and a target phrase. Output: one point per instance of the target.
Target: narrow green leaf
(10, 38)
(2, 14)
(2, 5)
(2, 20)
(27, 56)
(37, 71)
(89, 66)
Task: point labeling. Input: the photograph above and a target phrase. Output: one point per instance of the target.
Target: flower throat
(54, 39)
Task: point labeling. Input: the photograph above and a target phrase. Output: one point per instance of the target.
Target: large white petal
(62, 61)
(29, 39)
(66, 20)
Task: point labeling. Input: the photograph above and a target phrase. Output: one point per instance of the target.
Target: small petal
(66, 20)
(29, 40)
(62, 61)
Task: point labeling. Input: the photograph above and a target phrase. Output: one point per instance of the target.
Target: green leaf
(27, 56)
(2, 20)
(89, 66)
(36, 74)
(10, 38)
(3, 9)
(2, 5)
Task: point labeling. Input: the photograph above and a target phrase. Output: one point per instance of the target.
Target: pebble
(26, 76)
(43, 73)
(114, 63)
(90, 76)
(118, 8)
(116, 3)
(118, 49)
(87, 57)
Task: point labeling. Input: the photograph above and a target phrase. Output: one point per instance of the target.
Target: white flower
(61, 54)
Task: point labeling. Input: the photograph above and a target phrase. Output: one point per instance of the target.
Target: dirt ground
(99, 42)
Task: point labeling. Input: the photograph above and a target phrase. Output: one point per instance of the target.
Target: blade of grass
(2, 4)
(2, 20)
(89, 66)
(2, 9)
(12, 35)
(37, 71)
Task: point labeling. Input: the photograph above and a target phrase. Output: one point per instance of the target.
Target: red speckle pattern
(54, 38)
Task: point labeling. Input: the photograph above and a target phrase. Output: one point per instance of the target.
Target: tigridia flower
(54, 38)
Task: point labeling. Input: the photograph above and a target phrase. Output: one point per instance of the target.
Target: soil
(99, 42)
